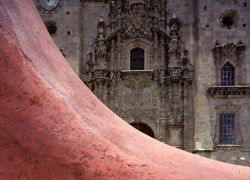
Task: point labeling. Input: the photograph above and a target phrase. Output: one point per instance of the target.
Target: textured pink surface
(53, 127)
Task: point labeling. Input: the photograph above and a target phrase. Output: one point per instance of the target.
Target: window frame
(229, 82)
(137, 61)
(227, 123)
(228, 108)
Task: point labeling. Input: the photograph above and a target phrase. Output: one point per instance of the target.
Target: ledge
(202, 150)
(135, 72)
(139, 71)
(224, 92)
(228, 147)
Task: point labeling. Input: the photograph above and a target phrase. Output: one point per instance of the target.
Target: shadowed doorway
(143, 128)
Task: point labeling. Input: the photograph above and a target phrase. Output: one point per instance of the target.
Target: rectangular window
(137, 59)
(227, 128)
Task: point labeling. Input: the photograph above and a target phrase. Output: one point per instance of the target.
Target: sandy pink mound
(53, 127)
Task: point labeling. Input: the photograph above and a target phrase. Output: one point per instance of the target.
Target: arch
(227, 75)
(137, 59)
(143, 128)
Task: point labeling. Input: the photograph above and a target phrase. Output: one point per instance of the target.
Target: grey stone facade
(178, 91)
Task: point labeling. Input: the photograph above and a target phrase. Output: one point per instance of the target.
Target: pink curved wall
(52, 127)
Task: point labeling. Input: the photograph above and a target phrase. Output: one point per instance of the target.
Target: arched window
(137, 59)
(227, 75)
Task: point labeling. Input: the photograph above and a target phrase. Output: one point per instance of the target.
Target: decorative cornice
(224, 92)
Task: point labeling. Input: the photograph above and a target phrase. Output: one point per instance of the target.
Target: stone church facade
(178, 71)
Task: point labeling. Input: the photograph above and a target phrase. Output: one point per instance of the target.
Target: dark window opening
(68, 32)
(207, 25)
(51, 27)
(227, 128)
(227, 75)
(143, 128)
(244, 25)
(245, 4)
(227, 21)
(205, 7)
(137, 59)
(68, 13)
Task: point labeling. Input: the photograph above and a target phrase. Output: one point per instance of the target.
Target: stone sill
(137, 72)
(224, 92)
(102, 78)
(229, 145)
(202, 150)
(144, 70)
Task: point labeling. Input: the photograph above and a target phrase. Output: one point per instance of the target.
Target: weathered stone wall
(67, 18)
(209, 31)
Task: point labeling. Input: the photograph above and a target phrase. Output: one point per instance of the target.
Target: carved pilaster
(162, 123)
(175, 43)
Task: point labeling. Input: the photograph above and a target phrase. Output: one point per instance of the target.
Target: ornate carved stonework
(232, 53)
(159, 88)
(225, 92)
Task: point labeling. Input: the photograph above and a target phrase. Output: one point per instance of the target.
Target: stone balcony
(224, 92)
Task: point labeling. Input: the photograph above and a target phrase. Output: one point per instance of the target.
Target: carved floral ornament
(229, 51)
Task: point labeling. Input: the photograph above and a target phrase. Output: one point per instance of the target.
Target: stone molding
(227, 92)
(228, 148)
